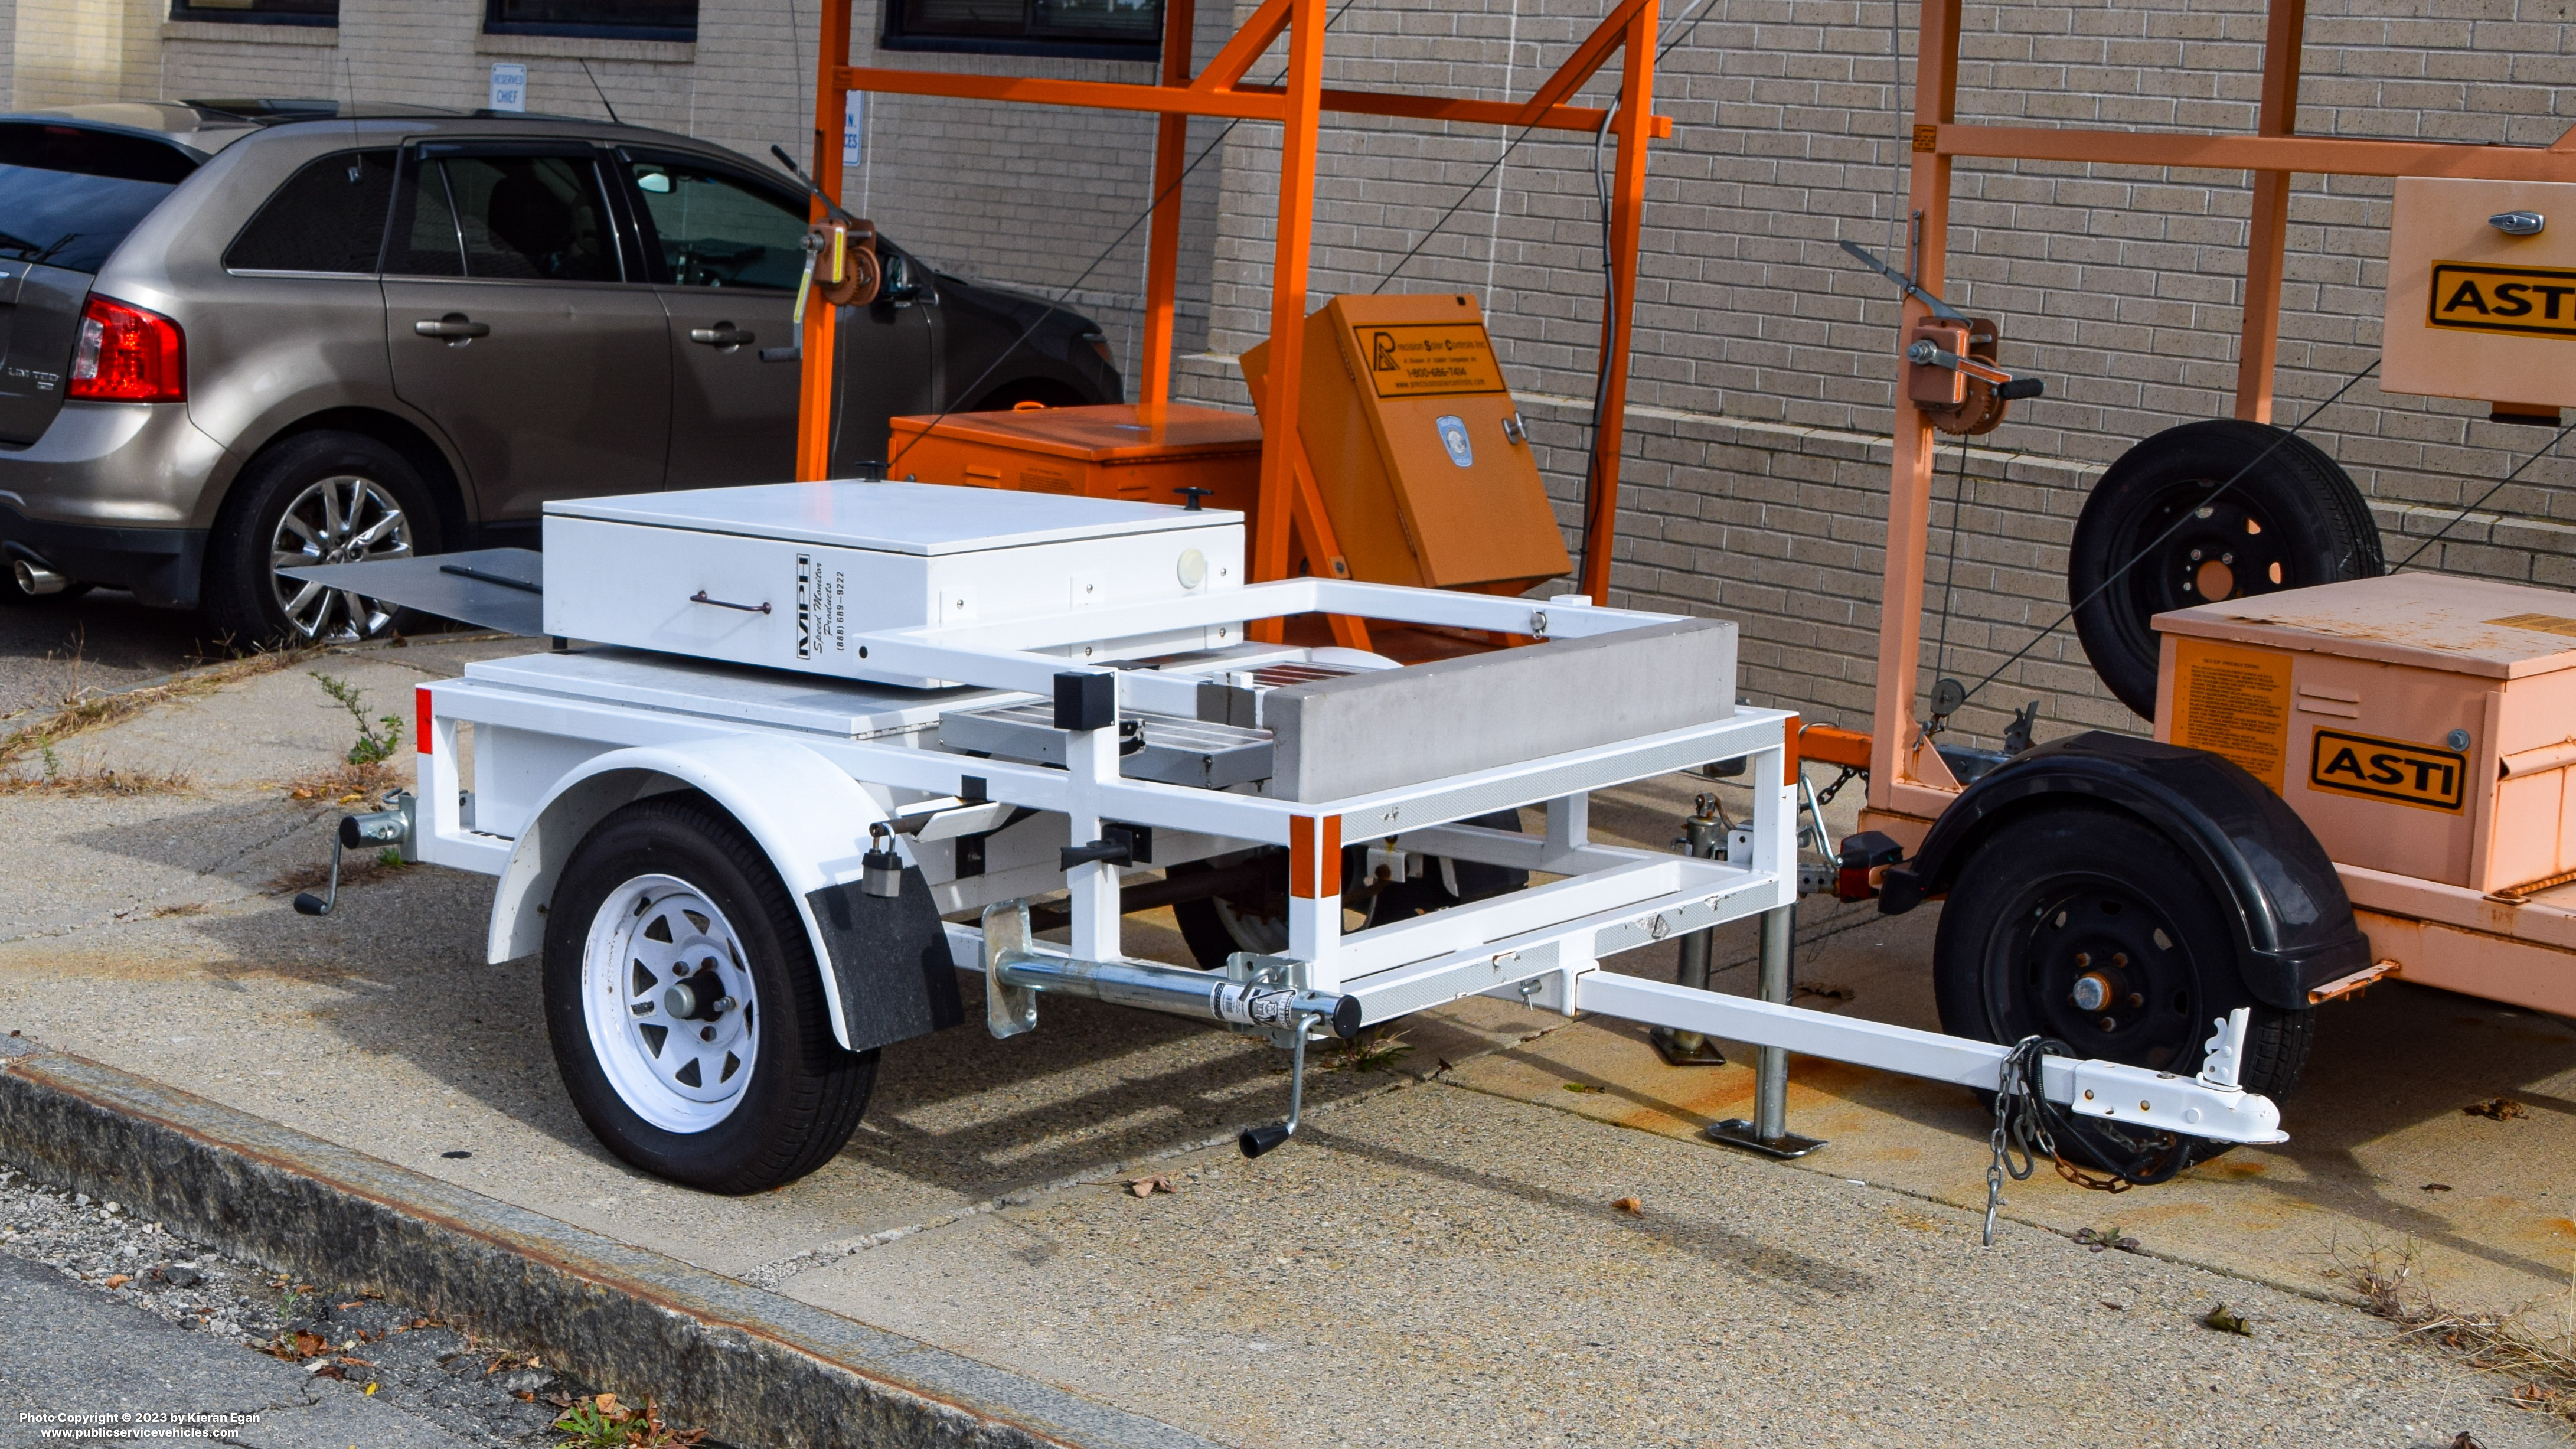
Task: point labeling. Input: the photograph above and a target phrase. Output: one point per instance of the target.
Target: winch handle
(1904, 283)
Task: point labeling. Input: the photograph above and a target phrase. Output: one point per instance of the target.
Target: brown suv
(236, 336)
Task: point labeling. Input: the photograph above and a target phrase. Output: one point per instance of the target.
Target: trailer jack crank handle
(1258, 1140)
(389, 826)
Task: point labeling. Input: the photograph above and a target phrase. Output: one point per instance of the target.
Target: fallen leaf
(1828, 993)
(2437, 1187)
(1584, 1087)
(1631, 1206)
(1148, 1186)
(328, 1370)
(119, 1280)
(307, 1344)
(2225, 1322)
(525, 1396)
(2114, 1307)
(2496, 1109)
(371, 1388)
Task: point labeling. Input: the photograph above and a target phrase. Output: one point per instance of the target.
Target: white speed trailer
(829, 746)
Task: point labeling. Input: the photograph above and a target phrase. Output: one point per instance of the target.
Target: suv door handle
(723, 334)
(455, 327)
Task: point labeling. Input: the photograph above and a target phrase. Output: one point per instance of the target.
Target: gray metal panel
(1175, 751)
(445, 584)
(1383, 730)
(730, 691)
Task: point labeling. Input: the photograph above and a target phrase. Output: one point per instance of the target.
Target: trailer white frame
(808, 796)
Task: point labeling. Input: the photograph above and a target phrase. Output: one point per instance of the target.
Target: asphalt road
(102, 641)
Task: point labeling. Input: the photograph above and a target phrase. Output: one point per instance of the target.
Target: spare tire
(2292, 518)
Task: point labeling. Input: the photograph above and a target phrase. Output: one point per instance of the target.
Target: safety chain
(1826, 795)
(2027, 1123)
(2017, 1125)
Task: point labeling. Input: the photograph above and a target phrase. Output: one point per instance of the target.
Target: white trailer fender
(885, 962)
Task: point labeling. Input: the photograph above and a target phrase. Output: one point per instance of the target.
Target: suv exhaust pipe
(34, 578)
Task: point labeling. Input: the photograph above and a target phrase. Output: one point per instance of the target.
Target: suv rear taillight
(126, 354)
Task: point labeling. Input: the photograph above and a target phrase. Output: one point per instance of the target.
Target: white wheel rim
(681, 1075)
(340, 519)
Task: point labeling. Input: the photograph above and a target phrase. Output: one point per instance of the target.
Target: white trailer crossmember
(919, 787)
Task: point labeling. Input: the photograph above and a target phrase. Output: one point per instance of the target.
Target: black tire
(2291, 519)
(1211, 937)
(242, 598)
(2069, 892)
(803, 1095)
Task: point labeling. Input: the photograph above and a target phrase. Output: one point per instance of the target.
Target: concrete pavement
(1463, 1273)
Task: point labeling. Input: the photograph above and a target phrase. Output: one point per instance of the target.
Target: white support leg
(1569, 832)
(1091, 756)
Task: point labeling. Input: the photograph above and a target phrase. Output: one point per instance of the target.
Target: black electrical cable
(2436, 537)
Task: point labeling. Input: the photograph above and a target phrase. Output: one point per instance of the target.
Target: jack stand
(1703, 835)
(1258, 1140)
(1768, 1133)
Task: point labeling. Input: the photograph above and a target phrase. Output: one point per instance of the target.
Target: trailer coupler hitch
(389, 826)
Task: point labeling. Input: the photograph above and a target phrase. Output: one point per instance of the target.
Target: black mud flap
(2294, 925)
(890, 961)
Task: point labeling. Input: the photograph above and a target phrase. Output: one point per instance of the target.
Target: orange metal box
(1418, 447)
(2420, 724)
(1096, 452)
(2476, 310)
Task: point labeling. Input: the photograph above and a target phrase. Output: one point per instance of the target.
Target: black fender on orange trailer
(2293, 923)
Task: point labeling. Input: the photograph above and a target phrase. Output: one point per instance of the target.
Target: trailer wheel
(2086, 925)
(685, 1007)
(1216, 927)
(2291, 519)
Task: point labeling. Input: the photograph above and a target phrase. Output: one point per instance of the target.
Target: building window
(608, 19)
(259, 12)
(1093, 29)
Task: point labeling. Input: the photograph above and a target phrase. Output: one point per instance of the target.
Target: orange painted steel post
(1909, 504)
(1163, 240)
(1627, 218)
(814, 390)
(2258, 349)
(1298, 133)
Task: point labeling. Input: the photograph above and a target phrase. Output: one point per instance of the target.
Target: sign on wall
(509, 86)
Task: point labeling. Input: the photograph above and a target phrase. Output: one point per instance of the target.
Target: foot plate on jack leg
(1702, 1052)
(1736, 1132)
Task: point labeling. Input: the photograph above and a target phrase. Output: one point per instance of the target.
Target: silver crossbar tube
(2152, 1100)
(1178, 992)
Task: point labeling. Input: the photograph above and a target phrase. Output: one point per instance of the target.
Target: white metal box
(787, 575)
(2477, 310)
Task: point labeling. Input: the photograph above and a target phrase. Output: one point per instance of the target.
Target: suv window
(715, 230)
(69, 194)
(531, 218)
(330, 217)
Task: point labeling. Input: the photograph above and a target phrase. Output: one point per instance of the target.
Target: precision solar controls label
(2424, 776)
(1429, 359)
(2533, 301)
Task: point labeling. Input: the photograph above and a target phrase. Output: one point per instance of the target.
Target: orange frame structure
(1298, 104)
(1909, 786)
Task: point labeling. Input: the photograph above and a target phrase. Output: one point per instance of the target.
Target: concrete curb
(750, 1366)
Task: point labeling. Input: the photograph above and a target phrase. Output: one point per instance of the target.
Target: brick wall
(1756, 483)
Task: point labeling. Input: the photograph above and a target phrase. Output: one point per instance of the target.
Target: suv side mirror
(901, 286)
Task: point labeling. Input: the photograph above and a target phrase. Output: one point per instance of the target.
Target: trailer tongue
(829, 742)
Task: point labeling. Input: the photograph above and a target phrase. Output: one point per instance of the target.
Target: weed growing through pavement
(601, 1422)
(2542, 1365)
(372, 748)
(80, 710)
(1373, 1050)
